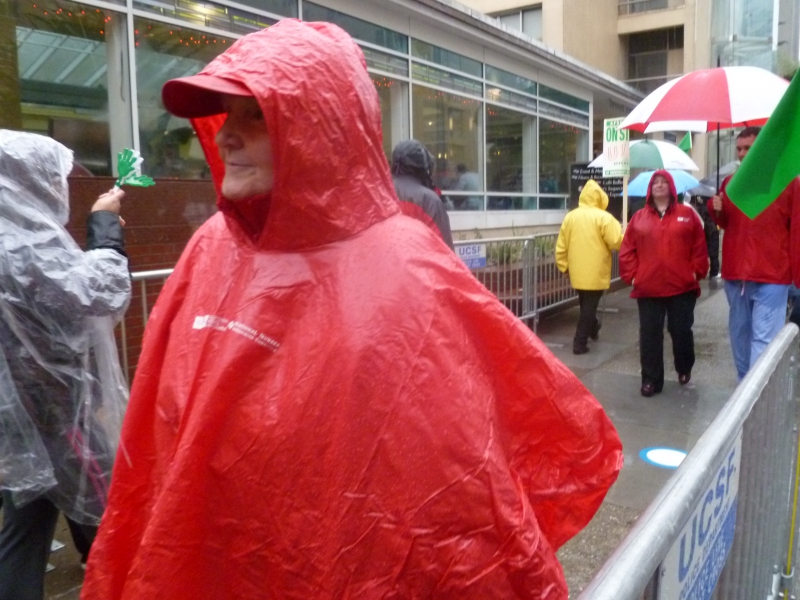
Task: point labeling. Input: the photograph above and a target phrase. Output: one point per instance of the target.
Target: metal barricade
(522, 272)
(676, 548)
(143, 278)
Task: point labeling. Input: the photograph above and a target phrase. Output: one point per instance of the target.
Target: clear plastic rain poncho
(62, 394)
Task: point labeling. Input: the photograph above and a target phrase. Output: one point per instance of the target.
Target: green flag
(686, 143)
(774, 159)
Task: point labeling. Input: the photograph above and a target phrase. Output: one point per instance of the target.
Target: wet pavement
(675, 418)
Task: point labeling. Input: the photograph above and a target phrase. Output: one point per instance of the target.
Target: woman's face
(660, 187)
(245, 149)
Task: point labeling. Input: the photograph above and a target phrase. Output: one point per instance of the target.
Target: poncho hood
(33, 173)
(593, 196)
(327, 187)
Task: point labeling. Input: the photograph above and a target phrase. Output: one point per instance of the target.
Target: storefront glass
(60, 61)
(510, 156)
(393, 95)
(168, 144)
(560, 146)
(450, 126)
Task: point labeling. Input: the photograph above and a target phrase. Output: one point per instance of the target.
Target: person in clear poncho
(62, 394)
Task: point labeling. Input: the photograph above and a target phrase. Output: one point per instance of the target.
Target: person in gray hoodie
(412, 166)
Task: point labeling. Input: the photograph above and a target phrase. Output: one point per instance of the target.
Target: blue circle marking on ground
(667, 458)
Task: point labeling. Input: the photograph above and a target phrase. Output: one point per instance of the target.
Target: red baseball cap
(199, 95)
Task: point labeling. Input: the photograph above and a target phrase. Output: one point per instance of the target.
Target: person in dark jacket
(664, 255)
(412, 173)
(62, 393)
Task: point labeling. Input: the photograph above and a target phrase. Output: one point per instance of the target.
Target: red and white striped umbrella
(702, 100)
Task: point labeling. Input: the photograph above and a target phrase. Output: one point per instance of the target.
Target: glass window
(510, 158)
(286, 8)
(168, 143)
(512, 21)
(560, 146)
(510, 150)
(505, 97)
(450, 126)
(360, 30)
(448, 59)
(565, 114)
(446, 79)
(60, 60)
(515, 82)
(393, 95)
(532, 23)
(207, 14)
(382, 61)
(563, 98)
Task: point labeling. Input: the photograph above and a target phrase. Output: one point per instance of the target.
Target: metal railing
(740, 472)
(142, 278)
(520, 271)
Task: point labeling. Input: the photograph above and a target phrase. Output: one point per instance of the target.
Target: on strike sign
(616, 149)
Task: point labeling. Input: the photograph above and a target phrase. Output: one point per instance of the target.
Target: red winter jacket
(337, 408)
(765, 249)
(664, 256)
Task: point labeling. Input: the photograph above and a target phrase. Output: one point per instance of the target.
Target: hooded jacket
(62, 394)
(411, 172)
(586, 239)
(765, 249)
(337, 408)
(664, 255)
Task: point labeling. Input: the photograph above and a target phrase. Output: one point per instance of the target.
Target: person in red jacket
(757, 264)
(328, 404)
(664, 255)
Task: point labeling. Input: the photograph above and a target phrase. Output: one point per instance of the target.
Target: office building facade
(504, 115)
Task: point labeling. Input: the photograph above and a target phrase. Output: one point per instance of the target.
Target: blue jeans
(757, 314)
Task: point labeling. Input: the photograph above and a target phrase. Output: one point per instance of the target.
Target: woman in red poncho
(328, 404)
(663, 255)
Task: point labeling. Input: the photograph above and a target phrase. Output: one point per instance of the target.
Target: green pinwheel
(129, 167)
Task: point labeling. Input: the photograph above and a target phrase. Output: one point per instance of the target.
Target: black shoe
(648, 389)
(577, 349)
(596, 330)
(683, 378)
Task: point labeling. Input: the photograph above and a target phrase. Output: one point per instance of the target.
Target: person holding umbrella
(756, 265)
(664, 256)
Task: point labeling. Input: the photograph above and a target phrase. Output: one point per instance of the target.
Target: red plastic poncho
(338, 408)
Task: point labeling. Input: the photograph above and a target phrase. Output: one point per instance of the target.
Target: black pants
(712, 244)
(587, 321)
(25, 546)
(679, 311)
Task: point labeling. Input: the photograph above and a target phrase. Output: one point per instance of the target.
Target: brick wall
(158, 223)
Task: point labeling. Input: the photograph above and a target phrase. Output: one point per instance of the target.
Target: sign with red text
(616, 149)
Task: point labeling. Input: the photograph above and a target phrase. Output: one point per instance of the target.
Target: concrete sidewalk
(675, 418)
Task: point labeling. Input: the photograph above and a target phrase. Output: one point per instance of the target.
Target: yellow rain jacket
(587, 237)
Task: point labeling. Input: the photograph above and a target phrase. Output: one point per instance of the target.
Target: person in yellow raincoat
(587, 237)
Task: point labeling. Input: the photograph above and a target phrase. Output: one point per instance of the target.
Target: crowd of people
(327, 404)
